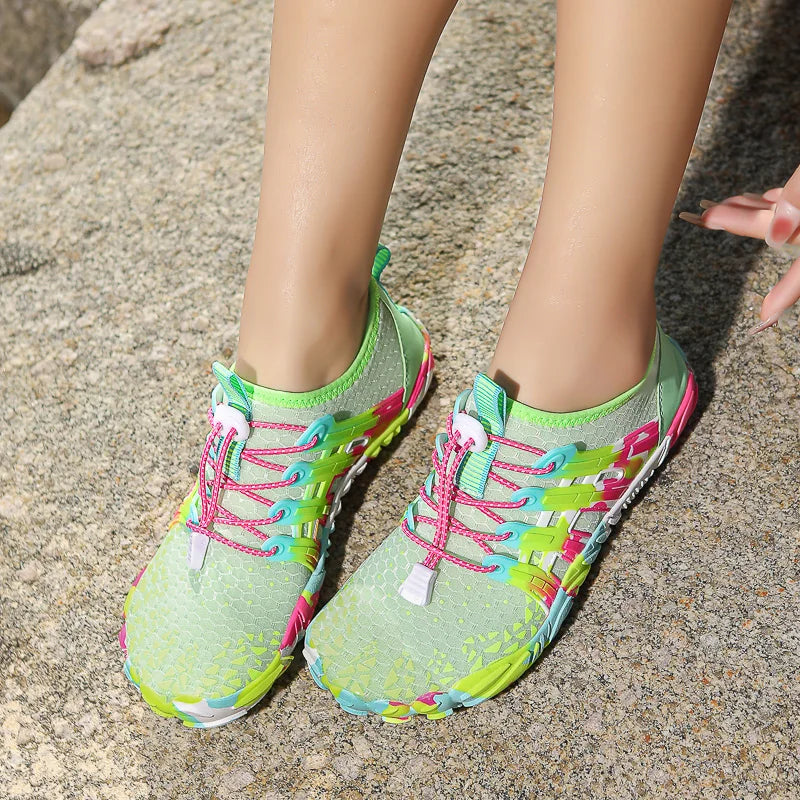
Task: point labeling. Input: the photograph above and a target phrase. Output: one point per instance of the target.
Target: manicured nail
(762, 326)
(696, 219)
(784, 223)
(692, 219)
(754, 196)
(706, 204)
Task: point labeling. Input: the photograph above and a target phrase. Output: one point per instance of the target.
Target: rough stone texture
(677, 676)
(33, 33)
(16, 258)
(121, 30)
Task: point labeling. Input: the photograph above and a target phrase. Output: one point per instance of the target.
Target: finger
(743, 200)
(742, 221)
(739, 220)
(749, 201)
(791, 192)
(787, 213)
(773, 195)
(785, 293)
(753, 195)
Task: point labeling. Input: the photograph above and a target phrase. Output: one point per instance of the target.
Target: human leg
(344, 78)
(630, 82)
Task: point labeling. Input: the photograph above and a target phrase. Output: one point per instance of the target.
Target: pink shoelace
(210, 487)
(447, 492)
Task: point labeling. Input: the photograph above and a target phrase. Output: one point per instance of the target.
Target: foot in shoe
(475, 582)
(211, 621)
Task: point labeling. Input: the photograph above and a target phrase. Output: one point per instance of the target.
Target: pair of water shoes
(455, 604)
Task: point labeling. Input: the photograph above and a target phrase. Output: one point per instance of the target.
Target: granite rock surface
(33, 33)
(128, 198)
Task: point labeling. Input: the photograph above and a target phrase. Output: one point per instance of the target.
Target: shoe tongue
(491, 404)
(234, 389)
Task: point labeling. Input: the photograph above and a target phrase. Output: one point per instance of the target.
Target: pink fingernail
(784, 223)
(762, 326)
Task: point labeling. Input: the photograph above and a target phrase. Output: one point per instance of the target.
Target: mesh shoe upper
(374, 644)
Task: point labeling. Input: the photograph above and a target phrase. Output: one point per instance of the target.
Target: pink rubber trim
(299, 620)
(385, 413)
(685, 409)
(139, 576)
(425, 369)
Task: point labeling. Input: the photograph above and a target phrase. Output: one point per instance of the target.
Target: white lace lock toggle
(417, 588)
(198, 544)
(467, 427)
(230, 417)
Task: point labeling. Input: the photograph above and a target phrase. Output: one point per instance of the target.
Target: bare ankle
(564, 373)
(302, 346)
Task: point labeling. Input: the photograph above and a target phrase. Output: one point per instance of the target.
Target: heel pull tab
(382, 256)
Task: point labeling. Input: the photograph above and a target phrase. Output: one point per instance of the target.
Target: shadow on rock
(753, 147)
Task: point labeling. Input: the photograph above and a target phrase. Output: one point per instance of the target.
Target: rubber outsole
(497, 676)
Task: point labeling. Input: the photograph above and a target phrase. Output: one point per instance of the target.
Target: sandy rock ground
(128, 198)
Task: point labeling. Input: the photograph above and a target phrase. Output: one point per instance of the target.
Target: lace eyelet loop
(554, 460)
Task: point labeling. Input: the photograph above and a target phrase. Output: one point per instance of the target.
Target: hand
(774, 217)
